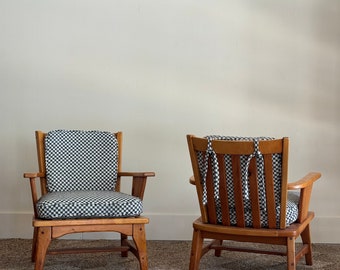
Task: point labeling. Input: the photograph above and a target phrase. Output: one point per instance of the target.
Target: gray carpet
(167, 255)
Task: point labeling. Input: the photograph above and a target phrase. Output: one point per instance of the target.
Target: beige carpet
(167, 255)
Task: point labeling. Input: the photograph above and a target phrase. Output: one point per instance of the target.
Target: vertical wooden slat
(268, 171)
(223, 193)
(119, 137)
(238, 195)
(40, 144)
(199, 184)
(210, 195)
(254, 194)
(284, 182)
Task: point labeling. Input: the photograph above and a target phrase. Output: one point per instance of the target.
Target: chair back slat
(210, 196)
(271, 209)
(239, 181)
(254, 194)
(238, 192)
(284, 183)
(223, 192)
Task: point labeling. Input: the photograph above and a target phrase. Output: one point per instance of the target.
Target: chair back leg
(124, 243)
(291, 259)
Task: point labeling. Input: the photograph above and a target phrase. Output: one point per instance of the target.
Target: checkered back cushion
(81, 160)
(292, 204)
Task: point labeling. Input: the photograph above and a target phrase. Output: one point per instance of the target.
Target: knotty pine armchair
(77, 190)
(244, 196)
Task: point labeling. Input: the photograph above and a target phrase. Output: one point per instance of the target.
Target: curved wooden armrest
(192, 180)
(137, 174)
(305, 185)
(34, 175)
(138, 182)
(305, 181)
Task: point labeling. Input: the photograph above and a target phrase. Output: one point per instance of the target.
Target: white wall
(158, 70)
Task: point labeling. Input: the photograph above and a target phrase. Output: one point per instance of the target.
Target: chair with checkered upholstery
(77, 190)
(244, 196)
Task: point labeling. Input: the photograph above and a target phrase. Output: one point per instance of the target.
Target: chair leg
(42, 243)
(34, 244)
(306, 240)
(291, 259)
(218, 251)
(196, 250)
(140, 242)
(123, 243)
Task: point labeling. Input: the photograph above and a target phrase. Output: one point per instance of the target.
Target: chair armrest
(192, 180)
(34, 194)
(305, 185)
(136, 174)
(34, 175)
(138, 182)
(305, 181)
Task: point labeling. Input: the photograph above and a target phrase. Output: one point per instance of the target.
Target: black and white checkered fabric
(81, 172)
(292, 202)
(81, 160)
(88, 204)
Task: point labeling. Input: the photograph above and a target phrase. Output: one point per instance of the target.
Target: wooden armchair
(244, 196)
(79, 178)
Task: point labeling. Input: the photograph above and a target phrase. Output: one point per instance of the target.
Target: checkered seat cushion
(87, 204)
(292, 210)
(81, 174)
(292, 199)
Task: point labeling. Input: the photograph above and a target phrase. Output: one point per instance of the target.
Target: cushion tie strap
(256, 154)
(260, 167)
(210, 153)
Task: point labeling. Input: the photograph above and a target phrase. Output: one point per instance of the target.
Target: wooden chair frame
(203, 227)
(47, 230)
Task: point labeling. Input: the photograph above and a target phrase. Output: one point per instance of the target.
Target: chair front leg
(140, 242)
(196, 250)
(306, 240)
(44, 238)
(34, 244)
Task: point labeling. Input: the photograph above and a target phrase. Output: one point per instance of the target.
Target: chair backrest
(240, 181)
(78, 160)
